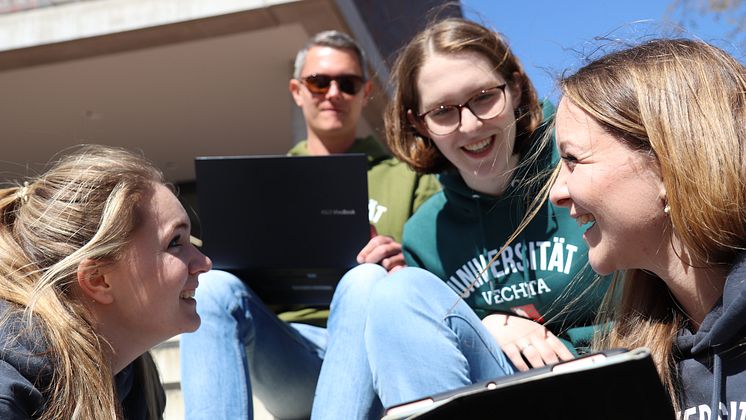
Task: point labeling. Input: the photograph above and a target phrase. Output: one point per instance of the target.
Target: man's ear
(417, 124)
(294, 88)
(367, 90)
(93, 283)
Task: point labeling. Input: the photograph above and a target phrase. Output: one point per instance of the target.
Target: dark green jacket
(458, 232)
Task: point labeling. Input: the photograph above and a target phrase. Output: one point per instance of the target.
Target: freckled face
(154, 282)
(481, 150)
(615, 191)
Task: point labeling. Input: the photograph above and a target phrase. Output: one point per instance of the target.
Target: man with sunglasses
(242, 347)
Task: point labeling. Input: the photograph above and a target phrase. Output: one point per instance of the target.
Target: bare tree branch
(731, 13)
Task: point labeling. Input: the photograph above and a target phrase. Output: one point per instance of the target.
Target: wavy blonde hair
(84, 207)
(451, 36)
(683, 102)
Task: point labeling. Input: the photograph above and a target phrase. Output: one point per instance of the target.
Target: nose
(559, 195)
(334, 91)
(201, 263)
(469, 121)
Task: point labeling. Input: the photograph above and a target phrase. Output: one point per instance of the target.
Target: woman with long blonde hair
(96, 267)
(653, 143)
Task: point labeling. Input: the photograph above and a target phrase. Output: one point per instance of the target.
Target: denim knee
(355, 286)
(404, 292)
(227, 304)
(220, 290)
(406, 283)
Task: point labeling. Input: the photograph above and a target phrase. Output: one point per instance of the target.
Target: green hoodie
(394, 190)
(458, 231)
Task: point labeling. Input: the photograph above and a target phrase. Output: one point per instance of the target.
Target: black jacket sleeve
(19, 399)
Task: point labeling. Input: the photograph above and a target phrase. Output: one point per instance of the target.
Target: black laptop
(613, 385)
(289, 226)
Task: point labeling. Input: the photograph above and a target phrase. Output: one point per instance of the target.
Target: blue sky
(550, 36)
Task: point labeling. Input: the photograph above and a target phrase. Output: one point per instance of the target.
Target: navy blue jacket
(26, 373)
(712, 362)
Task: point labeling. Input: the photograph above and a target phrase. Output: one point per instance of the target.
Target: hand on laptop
(523, 340)
(382, 250)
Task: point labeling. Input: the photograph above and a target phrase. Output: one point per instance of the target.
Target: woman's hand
(382, 250)
(522, 338)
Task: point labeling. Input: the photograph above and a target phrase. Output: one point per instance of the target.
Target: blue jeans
(419, 339)
(242, 346)
(388, 336)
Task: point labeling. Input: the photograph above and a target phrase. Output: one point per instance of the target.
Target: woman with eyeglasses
(482, 301)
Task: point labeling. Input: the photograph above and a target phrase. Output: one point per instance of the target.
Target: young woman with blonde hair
(96, 267)
(653, 146)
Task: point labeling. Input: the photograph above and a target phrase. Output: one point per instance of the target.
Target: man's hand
(382, 250)
(522, 338)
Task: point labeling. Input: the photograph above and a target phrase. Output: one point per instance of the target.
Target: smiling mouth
(586, 220)
(479, 146)
(187, 294)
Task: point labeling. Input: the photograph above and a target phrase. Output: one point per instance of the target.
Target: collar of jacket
(369, 146)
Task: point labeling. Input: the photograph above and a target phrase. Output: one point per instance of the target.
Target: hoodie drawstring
(483, 250)
(717, 375)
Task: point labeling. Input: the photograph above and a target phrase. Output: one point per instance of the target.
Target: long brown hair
(84, 207)
(683, 102)
(451, 36)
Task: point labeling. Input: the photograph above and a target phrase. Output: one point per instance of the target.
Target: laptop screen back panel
(289, 226)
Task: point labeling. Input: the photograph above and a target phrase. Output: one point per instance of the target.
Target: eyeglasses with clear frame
(485, 105)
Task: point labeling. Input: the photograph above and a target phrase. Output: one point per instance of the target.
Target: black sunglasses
(320, 83)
